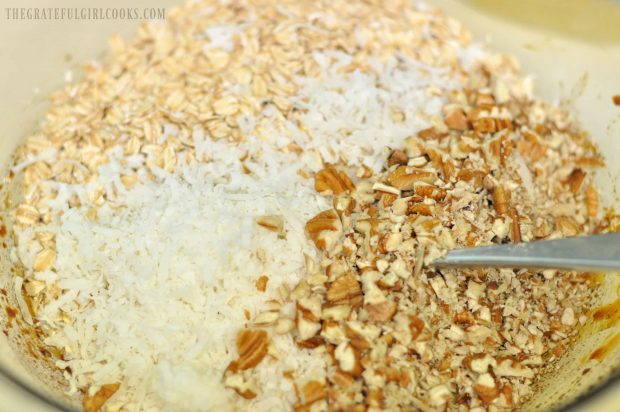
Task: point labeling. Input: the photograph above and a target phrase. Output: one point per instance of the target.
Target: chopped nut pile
(402, 334)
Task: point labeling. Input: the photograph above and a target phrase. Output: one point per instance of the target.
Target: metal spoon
(584, 253)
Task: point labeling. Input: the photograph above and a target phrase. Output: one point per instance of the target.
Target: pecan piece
(348, 359)
(324, 229)
(430, 133)
(500, 199)
(420, 209)
(430, 191)
(416, 326)
(252, 346)
(507, 392)
(342, 379)
(483, 99)
(486, 388)
(95, 402)
(456, 120)
(444, 164)
(312, 392)
(403, 180)
(567, 225)
(374, 398)
(235, 380)
(381, 312)
(344, 289)
(591, 199)
(330, 179)
(484, 125)
(397, 157)
(312, 343)
(356, 339)
(469, 175)
(575, 180)
(515, 227)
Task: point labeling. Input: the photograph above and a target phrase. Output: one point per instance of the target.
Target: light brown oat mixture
(495, 166)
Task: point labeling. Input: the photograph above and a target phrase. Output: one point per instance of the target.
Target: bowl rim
(587, 397)
(26, 388)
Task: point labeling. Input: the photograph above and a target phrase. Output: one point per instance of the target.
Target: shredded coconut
(358, 107)
(184, 253)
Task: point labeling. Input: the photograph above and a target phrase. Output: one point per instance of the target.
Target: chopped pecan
(430, 133)
(590, 161)
(267, 318)
(456, 120)
(420, 208)
(486, 394)
(342, 379)
(356, 339)
(397, 157)
(484, 99)
(486, 391)
(236, 381)
(532, 151)
(500, 199)
(464, 318)
(473, 176)
(575, 180)
(312, 391)
(567, 225)
(515, 227)
(401, 179)
(330, 179)
(388, 199)
(444, 164)
(252, 346)
(506, 391)
(491, 125)
(307, 329)
(324, 229)
(312, 343)
(591, 199)
(348, 359)
(416, 326)
(381, 312)
(375, 398)
(428, 190)
(95, 402)
(345, 289)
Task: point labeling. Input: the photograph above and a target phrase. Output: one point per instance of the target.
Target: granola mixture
(402, 334)
(238, 210)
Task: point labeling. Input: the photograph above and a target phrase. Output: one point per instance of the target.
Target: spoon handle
(599, 253)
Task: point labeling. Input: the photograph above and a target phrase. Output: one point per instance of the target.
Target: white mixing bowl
(35, 56)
